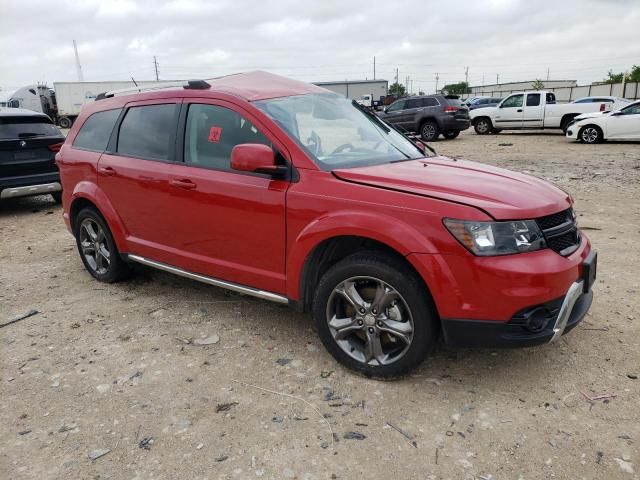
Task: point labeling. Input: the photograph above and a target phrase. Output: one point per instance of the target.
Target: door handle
(519, 110)
(108, 171)
(184, 184)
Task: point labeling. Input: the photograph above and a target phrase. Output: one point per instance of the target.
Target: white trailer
(71, 96)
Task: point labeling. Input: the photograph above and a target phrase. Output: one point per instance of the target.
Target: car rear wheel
(482, 126)
(429, 131)
(450, 135)
(375, 316)
(97, 249)
(590, 134)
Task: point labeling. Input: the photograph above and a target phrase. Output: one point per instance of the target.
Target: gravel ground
(117, 372)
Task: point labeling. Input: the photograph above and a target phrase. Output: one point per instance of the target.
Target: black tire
(564, 125)
(590, 134)
(429, 131)
(411, 306)
(451, 134)
(57, 197)
(482, 125)
(109, 268)
(65, 122)
(496, 130)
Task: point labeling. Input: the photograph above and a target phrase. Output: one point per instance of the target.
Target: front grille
(560, 232)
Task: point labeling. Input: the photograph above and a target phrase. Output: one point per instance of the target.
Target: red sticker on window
(214, 134)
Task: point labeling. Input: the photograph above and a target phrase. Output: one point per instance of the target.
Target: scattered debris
(632, 376)
(625, 465)
(436, 455)
(599, 456)
(283, 361)
(24, 432)
(326, 374)
(100, 452)
(30, 313)
(354, 436)
(505, 144)
(404, 434)
(146, 443)
(221, 458)
(604, 396)
(66, 428)
(224, 407)
(210, 340)
(277, 419)
(625, 436)
(333, 435)
(590, 228)
(331, 395)
(199, 446)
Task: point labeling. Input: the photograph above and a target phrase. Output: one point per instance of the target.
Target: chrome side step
(254, 292)
(42, 189)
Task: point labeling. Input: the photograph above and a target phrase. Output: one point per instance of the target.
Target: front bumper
(572, 131)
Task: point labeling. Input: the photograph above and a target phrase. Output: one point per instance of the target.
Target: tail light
(450, 109)
(55, 147)
(602, 107)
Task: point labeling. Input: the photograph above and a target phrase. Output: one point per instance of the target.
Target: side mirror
(257, 158)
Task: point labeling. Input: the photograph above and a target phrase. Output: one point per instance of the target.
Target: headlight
(497, 238)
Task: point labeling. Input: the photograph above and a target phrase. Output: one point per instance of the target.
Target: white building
(356, 88)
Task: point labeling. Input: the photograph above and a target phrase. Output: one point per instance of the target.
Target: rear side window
(551, 98)
(146, 131)
(27, 127)
(96, 130)
(430, 102)
(533, 99)
(212, 132)
(413, 103)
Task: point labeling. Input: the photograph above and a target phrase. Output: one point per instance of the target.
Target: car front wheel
(97, 249)
(590, 134)
(375, 316)
(482, 126)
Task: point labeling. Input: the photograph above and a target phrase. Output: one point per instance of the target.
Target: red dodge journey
(288, 192)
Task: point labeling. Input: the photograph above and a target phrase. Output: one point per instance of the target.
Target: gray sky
(318, 40)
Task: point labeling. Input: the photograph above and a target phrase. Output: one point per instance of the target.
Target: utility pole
(78, 66)
(497, 79)
(406, 84)
(437, 78)
(374, 67)
(547, 73)
(155, 66)
(466, 75)
(396, 74)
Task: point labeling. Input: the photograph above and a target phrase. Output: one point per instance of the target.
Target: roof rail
(190, 85)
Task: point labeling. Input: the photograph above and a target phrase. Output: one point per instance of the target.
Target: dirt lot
(115, 367)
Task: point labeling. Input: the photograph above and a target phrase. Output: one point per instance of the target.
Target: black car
(28, 144)
(429, 116)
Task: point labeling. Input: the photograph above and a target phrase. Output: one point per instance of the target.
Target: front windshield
(338, 134)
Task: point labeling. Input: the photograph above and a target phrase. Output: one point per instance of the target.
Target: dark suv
(28, 142)
(429, 116)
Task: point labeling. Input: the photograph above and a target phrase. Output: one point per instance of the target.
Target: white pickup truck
(529, 110)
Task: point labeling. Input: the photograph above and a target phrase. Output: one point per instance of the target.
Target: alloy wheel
(428, 131)
(590, 135)
(370, 321)
(482, 126)
(94, 246)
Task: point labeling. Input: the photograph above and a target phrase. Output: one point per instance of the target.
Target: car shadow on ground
(28, 205)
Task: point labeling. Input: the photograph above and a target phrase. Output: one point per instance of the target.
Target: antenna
(155, 66)
(78, 66)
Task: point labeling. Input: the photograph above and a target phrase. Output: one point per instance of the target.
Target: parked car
(606, 102)
(484, 102)
(622, 124)
(288, 192)
(28, 144)
(429, 116)
(529, 110)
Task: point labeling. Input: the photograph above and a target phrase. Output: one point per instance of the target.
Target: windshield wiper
(406, 133)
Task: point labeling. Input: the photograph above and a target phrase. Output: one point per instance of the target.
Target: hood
(503, 194)
(591, 115)
(484, 111)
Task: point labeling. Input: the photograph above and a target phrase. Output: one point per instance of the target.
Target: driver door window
(396, 107)
(512, 102)
(212, 132)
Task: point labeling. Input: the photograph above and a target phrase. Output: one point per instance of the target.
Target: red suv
(288, 192)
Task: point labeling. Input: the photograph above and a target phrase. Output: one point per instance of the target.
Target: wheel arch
(87, 194)
(330, 251)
